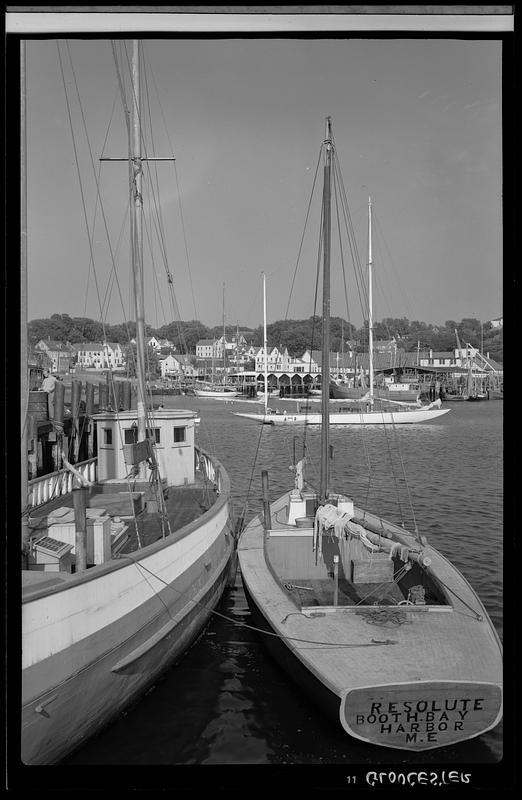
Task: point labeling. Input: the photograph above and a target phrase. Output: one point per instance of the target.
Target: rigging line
(164, 253)
(241, 624)
(145, 148)
(176, 319)
(79, 176)
(96, 202)
(117, 412)
(154, 271)
(155, 170)
(113, 278)
(352, 240)
(304, 229)
(96, 176)
(394, 476)
(380, 232)
(401, 572)
(314, 317)
(335, 183)
(183, 228)
(96, 184)
(243, 513)
(410, 502)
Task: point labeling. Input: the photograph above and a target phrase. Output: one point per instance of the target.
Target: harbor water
(226, 702)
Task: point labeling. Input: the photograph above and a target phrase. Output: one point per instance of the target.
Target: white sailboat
(370, 410)
(320, 574)
(123, 568)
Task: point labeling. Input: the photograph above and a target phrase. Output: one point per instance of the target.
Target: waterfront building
(60, 355)
(98, 355)
(177, 366)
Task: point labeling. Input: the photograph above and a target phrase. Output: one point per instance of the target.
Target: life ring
(405, 603)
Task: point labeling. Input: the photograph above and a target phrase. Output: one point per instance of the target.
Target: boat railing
(55, 484)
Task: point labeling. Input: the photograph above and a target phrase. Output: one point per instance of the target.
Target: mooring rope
(371, 643)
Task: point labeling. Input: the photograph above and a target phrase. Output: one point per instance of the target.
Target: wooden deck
(184, 504)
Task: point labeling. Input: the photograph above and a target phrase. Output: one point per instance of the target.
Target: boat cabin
(172, 431)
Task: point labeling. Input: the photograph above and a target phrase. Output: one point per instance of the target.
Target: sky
(417, 125)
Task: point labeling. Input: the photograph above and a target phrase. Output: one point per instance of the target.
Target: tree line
(296, 335)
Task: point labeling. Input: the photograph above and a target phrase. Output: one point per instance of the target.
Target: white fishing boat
(382, 631)
(125, 555)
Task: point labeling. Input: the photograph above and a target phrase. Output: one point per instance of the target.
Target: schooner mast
(370, 301)
(325, 370)
(136, 158)
(137, 240)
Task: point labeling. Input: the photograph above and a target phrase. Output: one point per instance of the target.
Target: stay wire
(304, 230)
(82, 194)
(182, 220)
(96, 181)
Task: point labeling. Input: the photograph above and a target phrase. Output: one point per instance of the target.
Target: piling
(76, 393)
(37, 405)
(336, 580)
(126, 398)
(80, 522)
(266, 502)
(102, 396)
(59, 394)
(89, 410)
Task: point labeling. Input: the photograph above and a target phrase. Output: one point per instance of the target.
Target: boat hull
(423, 715)
(436, 676)
(90, 663)
(210, 394)
(350, 417)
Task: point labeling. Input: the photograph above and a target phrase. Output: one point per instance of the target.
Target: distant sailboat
(371, 410)
(215, 390)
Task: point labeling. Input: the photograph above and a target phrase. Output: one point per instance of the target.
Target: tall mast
(325, 379)
(137, 239)
(265, 344)
(370, 297)
(24, 366)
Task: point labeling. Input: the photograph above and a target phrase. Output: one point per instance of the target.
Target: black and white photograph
(262, 264)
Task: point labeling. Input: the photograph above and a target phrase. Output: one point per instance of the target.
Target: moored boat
(376, 625)
(125, 556)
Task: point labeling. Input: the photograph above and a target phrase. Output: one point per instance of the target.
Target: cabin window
(107, 435)
(179, 435)
(130, 435)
